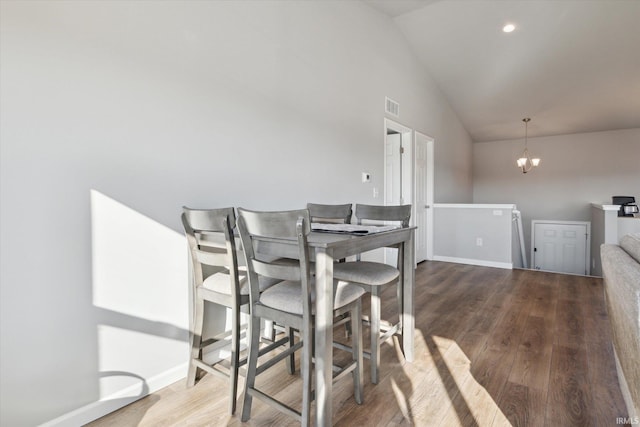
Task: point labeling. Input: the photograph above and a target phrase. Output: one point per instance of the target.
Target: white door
(393, 169)
(423, 211)
(560, 246)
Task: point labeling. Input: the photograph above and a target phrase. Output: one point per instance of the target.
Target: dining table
(329, 247)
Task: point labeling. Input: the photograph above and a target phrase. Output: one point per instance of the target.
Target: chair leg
(306, 370)
(400, 305)
(399, 288)
(235, 359)
(196, 340)
(356, 346)
(347, 329)
(291, 363)
(269, 333)
(375, 333)
(252, 364)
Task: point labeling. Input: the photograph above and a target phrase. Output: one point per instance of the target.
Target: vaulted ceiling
(573, 66)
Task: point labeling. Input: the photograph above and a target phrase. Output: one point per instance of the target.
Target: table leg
(324, 337)
(408, 279)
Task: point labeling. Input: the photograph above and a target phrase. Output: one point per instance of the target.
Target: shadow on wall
(140, 302)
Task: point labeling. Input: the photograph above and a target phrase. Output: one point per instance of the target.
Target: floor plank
(569, 399)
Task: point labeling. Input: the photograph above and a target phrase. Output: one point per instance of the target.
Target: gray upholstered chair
(216, 279)
(330, 213)
(266, 237)
(372, 276)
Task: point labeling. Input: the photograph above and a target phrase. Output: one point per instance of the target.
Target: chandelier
(525, 162)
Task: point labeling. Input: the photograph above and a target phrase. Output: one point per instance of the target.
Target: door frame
(406, 172)
(408, 143)
(587, 251)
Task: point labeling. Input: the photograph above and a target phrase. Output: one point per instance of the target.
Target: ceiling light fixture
(525, 162)
(508, 28)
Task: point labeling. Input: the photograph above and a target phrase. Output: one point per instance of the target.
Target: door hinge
(401, 150)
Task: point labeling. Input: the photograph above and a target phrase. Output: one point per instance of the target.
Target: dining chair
(338, 214)
(266, 237)
(330, 213)
(373, 276)
(218, 280)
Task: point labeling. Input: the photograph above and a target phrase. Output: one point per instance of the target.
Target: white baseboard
(117, 400)
(480, 262)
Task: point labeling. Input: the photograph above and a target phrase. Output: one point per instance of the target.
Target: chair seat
(287, 296)
(221, 283)
(365, 272)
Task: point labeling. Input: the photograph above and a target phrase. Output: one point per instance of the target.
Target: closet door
(560, 246)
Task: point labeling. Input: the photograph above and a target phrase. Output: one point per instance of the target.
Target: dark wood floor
(493, 347)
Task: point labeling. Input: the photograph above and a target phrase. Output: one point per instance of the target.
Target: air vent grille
(392, 107)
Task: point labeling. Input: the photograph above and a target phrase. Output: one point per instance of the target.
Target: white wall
(477, 234)
(149, 106)
(604, 225)
(575, 171)
(607, 227)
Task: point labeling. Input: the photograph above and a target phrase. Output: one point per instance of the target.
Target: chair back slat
(214, 259)
(276, 271)
(401, 213)
(212, 239)
(209, 220)
(279, 225)
(330, 213)
(264, 249)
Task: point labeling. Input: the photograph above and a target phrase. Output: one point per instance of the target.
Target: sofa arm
(622, 291)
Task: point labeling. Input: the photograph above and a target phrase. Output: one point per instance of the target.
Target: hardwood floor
(493, 347)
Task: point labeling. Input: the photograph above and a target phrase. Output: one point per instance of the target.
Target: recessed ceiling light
(508, 28)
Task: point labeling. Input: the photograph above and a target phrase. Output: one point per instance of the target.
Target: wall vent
(391, 107)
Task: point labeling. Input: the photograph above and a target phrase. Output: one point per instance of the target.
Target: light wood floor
(493, 347)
